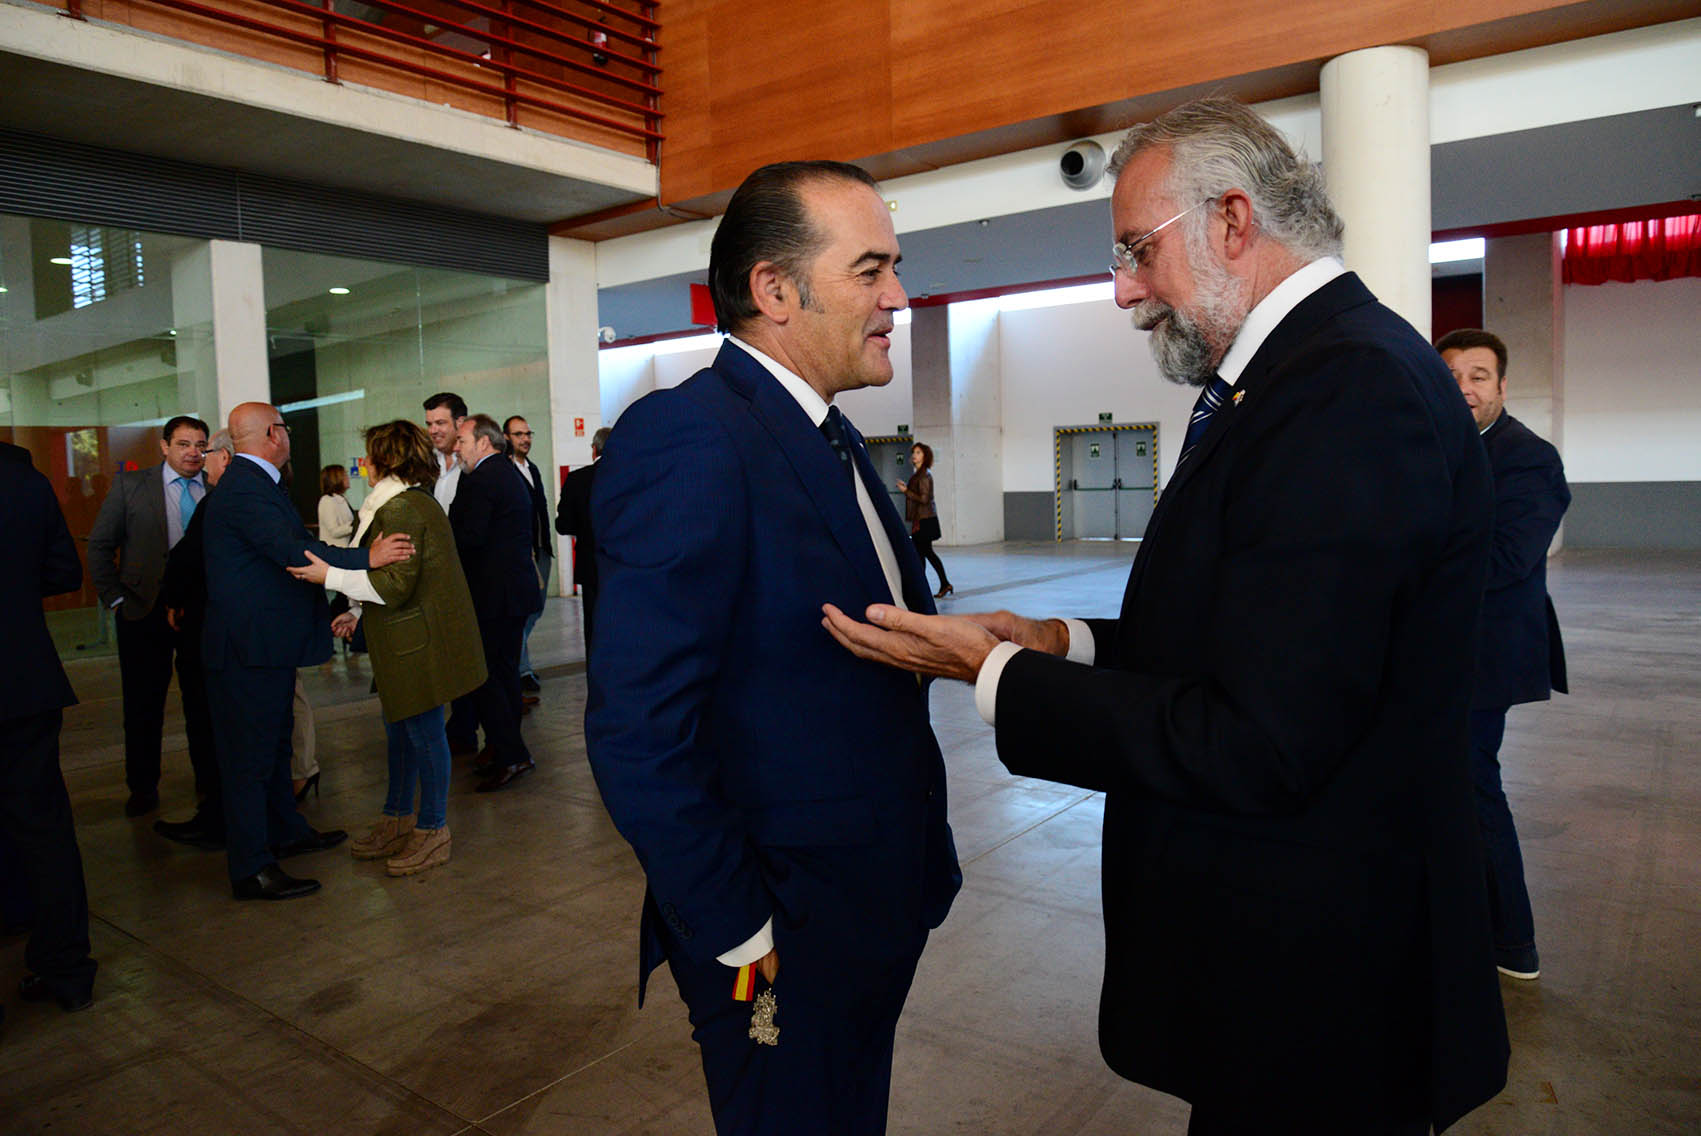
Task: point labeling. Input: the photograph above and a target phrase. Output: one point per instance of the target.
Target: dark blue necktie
(1216, 392)
(833, 428)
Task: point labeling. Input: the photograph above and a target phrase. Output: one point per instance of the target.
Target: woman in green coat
(422, 637)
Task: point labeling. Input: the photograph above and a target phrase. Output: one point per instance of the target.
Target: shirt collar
(811, 402)
(271, 470)
(1271, 311)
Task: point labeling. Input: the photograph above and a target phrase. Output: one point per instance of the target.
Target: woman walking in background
(336, 517)
(423, 639)
(922, 515)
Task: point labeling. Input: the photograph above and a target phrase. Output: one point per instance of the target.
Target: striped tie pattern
(833, 427)
(1212, 397)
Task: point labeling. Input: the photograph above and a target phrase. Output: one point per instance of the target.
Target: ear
(771, 291)
(1237, 215)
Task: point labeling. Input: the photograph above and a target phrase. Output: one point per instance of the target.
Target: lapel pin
(1238, 395)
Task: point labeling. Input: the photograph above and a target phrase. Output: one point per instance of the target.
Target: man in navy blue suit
(786, 800)
(261, 625)
(492, 519)
(1296, 932)
(1520, 657)
(35, 810)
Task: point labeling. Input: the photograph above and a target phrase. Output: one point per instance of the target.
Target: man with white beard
(1296, 930)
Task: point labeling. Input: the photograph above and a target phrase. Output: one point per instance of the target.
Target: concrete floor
(496, 995)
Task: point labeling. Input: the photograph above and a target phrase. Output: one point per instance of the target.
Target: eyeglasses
(279, 426)
(1131, 256)
(519, 433)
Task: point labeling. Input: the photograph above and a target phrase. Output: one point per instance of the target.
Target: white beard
(1188, 345)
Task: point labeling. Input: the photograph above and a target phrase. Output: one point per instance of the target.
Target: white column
(1524, 304)
(575, 399)
(1376, 157)
(218, 305)
(958, 392)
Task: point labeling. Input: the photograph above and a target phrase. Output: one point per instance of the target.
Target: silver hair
(1216, 145)
(221, 441)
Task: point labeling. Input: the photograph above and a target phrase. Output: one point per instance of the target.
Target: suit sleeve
(185, 581)
(469, 514)
(1530, 498)
(105, 537)
(1327, 512)
(672, 523)
(275, 533)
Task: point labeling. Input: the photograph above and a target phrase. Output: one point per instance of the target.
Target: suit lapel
(811, 458)
(916, 596)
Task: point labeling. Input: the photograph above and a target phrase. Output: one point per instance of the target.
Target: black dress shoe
(141, 804)
(506, 776)
(272, 882)
(197, 832)
(463, 747)
(486, 763)
(530, 684)
(35, 988)
(314, 841)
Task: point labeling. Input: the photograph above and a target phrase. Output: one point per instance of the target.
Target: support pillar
(1376, 156)
(958, 391)
(218, 305)
(570, 300)
(1524, 304)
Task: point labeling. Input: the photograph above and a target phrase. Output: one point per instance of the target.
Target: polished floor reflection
(496, 995)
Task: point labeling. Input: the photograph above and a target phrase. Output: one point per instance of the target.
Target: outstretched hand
(313, 573)
(1048, 635)
(946, 646)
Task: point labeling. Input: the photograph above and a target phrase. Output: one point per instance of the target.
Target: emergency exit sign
(1104, 418)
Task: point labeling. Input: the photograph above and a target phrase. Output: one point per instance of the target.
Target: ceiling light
(60, 260)
(1446, 252)
(339, 291)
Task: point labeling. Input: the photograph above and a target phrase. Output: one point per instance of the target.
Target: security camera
(605, 333)
(1082, 165)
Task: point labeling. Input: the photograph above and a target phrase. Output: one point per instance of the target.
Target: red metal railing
(589, 61)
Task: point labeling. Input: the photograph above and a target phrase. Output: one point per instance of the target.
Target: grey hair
(599, 441)
(1216, 145)
(221, 441)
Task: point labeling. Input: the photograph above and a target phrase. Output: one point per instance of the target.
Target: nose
(895, 299)
(1129, 289)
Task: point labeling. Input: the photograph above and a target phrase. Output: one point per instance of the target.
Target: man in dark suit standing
(40, 560)
(518, 433)
(786, 800)
(261, 625)
(573, 518)
(1296, 934)
(1520, 657)
(492, 519)
(143, 517)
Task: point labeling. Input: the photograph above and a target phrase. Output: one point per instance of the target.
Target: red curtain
(1664, 248)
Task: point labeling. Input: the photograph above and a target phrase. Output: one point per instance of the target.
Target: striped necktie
(1212, 397)
(833, 427)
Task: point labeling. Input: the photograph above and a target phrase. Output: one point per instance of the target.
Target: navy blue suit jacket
(1520, 657)
(729, 733)
(492, 519)
(41, 560)
(258, 615)
(1295, 915)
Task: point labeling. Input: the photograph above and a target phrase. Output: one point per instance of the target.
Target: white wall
(1065, 365)
(1632, 402)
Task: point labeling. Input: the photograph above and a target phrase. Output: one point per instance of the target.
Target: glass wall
(353, 343)
(104, 334)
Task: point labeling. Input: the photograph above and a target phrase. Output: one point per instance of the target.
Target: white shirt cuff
(752, 948)
(352, 582)
(986, 683)
(1082, 648)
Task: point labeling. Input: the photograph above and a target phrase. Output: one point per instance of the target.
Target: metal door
(891, 459)
(1092, 484)
(1136, 480)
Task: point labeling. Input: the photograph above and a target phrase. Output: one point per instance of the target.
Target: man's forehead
(187, 434)
(1141, 192)
(851, 213)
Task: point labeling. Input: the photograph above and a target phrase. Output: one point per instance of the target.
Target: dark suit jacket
(258, 615)
(1295, 915)
(41, 560)
(492, 519)
(1520, 657)
(128, 544)
(184, 585)
(573, 518)
(541, 541)
(732, 739)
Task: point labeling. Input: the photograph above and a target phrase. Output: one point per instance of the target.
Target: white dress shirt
(174, 523)
(448, 479)
(1254, 330)
(815, 407)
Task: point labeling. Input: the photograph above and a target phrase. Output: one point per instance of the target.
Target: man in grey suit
(146, 513)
